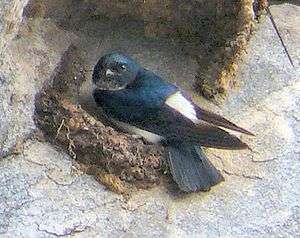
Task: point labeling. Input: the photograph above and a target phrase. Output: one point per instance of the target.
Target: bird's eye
(123, 67)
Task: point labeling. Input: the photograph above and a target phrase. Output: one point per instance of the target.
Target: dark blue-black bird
(137, 98)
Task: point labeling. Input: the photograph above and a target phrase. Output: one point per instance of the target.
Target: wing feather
(205, 134)
(218, 120)
(196, 114)
(187, 121)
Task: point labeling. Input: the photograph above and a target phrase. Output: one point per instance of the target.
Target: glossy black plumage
(142, 102)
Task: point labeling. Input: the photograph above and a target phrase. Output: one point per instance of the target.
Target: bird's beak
(109, 73)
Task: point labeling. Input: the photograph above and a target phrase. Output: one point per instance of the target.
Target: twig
(280, 38)
(60, 127)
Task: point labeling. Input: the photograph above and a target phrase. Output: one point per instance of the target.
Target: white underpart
(94, 86)
(178, 102)
(147, 135)
(109, 73)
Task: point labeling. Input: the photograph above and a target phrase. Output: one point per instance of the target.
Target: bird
(143, 103)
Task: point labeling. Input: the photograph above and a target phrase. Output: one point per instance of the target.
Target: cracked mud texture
(43, 194)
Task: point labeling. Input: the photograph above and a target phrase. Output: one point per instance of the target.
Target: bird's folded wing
(218, 120)
(205, 135)
(188, 109)
(197, 125)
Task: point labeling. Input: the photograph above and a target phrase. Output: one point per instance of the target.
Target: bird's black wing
(174, 118)
(174, 126)
(215, 119)
(218, 120)
(182, 121)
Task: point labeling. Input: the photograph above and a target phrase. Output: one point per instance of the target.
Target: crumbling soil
(113, 158)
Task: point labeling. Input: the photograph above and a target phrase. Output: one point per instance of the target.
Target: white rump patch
(178, 102)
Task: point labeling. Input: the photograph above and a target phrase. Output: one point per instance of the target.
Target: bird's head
(114, 71)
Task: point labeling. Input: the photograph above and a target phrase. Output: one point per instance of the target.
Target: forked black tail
(191, 169)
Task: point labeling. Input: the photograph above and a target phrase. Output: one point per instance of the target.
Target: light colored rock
(287, 17)
(42, 196)
(27, 62)
(10, 19)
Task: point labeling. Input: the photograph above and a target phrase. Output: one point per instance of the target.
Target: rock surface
(42, 194)
(25, 65)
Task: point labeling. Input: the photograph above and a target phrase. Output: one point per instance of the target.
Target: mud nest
(114, 158)
(213, 33)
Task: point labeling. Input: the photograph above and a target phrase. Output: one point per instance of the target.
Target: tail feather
(191, 169)
(218, 120)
